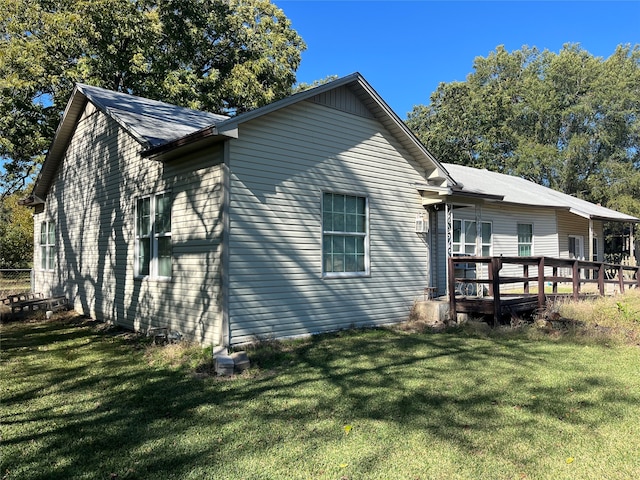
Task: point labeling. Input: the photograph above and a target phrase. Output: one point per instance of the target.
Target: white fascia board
(579, 213)
(433, 188)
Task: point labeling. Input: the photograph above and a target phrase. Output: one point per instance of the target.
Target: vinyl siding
(92, 201)
(570, 224)
(279, 168)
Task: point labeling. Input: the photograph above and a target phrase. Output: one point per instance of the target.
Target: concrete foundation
(431, 312)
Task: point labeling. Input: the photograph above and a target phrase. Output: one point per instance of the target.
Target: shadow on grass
(82, 403)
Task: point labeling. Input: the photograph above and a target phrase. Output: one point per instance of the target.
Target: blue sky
(406, 48)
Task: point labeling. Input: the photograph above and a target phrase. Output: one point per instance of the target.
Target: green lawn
(80, 401)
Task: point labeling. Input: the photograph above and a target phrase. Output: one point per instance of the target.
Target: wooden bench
(21, 303)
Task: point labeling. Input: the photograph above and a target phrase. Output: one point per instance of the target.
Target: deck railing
(576, 273)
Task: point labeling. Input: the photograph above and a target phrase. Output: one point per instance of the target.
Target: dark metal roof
(151, 122)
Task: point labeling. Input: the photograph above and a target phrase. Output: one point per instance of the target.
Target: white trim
(48, 259)
(533, 236)
(365, 235)
(579, 244)
(153, 237)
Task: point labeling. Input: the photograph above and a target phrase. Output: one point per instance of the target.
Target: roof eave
(64, 132)
(156, 153)
(31, 201)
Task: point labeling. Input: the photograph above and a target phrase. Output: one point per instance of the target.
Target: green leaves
(567, 120)
(16, 233)
(225, 56)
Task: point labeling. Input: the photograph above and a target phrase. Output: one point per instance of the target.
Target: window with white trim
(525, 239)
(465, 237)
(153, 236)
(47, 245)
(345, 235)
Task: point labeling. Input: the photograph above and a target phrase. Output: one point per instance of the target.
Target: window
(153, 236)
(576, 247)
(465, 236)
(345, 239)
(47, 245)
(525, 239)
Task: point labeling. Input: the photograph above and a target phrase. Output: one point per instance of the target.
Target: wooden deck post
(621, 278)
(496, 266)
(490, 278)
(601, 279)
(576, 280)
(525, 274)
(452, 290)
(541, 296)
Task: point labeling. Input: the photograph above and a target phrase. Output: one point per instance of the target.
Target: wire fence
(15, 281)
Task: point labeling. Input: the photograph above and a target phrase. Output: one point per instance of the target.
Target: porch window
(525, 239)
(153, 236)
(465, 235)
(47, 245)
(576, 247)
(345, 235)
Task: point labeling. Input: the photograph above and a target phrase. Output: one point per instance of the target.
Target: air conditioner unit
(422, 223)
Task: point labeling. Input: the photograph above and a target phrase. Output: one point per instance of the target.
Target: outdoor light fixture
(422, 223)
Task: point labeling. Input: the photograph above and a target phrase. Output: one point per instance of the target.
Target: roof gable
(365, 102)
(342, 98)
(161, 127)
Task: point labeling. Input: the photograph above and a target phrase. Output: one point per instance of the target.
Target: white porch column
(632, 247)
(590, 245)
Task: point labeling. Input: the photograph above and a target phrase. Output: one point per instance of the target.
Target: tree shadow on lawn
(107, 413)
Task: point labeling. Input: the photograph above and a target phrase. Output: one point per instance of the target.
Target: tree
(301, 87)
(567, 120)
(224, 56)
(16, 233)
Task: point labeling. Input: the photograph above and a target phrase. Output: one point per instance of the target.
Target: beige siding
(279, 168)
(92, 201)
(570, 224)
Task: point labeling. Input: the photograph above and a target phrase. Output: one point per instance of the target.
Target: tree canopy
(16, 233)
(224, 56)
(566, 120)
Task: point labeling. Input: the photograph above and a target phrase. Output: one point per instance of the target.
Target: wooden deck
(539, 271)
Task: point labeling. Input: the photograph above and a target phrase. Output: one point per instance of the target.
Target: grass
(81, 400)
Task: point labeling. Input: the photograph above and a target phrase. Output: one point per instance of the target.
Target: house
(294, 218)
(492, 214)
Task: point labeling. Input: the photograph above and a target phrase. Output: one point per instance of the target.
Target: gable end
(343, 99)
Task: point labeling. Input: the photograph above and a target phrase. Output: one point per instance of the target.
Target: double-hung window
(47, 245)
(153, 236)
(345, 235)
(525, 239)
